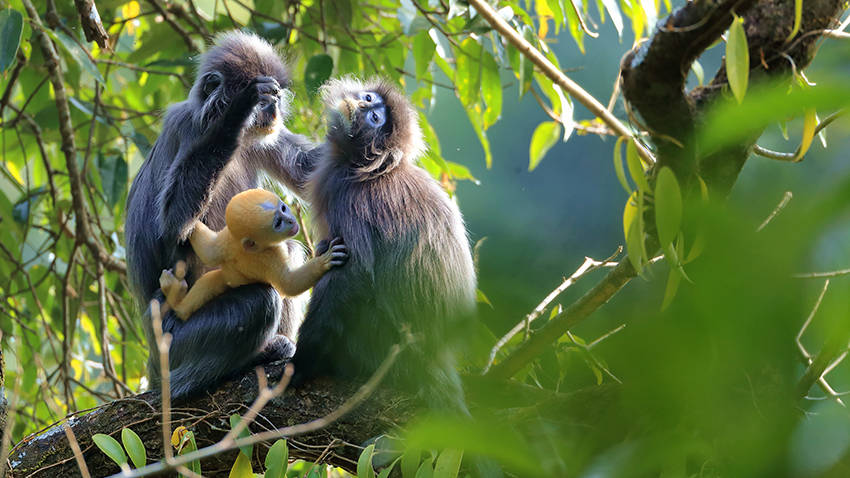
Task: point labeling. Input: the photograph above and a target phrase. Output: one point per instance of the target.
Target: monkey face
(226, 69)
(371, 124)
(259, 218)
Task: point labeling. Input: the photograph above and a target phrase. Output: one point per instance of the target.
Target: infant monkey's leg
(174, 285)
(205, 289)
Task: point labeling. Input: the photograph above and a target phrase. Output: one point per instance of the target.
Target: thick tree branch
(48, 454)
(90, 20)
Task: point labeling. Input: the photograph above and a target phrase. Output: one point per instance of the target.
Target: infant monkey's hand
(335, 255)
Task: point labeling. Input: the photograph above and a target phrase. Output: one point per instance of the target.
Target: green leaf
(410, 461)
(77, 53)
(634, 231)
(241, 467)
(636, 166)
(113, 176)
(240, 10)
(737, 59)
(277, 460)
(319, 69)
(545, 136)
(668, 206)
(364, 463)
(674, 278)
(491, 89)
(192, 445)
(468, 73)
(247, 449)
(448, 463)
(526, 67)
(696, 67)
(423, 52)
(11, 26)
(134, 446)
(618, 165)
(110, 447)
(425, 470)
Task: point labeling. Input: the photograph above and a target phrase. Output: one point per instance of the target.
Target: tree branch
(90, 20)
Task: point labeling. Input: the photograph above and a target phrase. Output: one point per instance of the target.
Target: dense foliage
(706, 380)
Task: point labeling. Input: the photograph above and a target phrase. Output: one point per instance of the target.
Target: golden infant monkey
(249, 249)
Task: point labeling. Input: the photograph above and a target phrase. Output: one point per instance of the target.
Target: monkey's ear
(248, 244)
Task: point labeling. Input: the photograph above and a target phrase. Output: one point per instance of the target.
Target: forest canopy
(657, 199)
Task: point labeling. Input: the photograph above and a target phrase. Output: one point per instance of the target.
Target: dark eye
(375, 118)
(211, 82)
(368, 98)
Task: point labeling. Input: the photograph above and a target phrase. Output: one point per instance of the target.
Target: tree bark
(47, 453)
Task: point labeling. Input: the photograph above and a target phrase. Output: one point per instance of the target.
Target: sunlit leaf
(110, 447)
(11, 26)
(810, 123)
(239, 11)
(696, 67)
(618, 165)
(668, 206)
(468, 73)
(798, 17)
(616, 17)
(423, 52)
(636, 166)
(545, 136)
(277, 460)
(737, 59)
(491, 89)
(134, 446)
(241, 467)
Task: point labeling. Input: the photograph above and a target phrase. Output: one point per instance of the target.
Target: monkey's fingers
(180, 270)
(166, 280)
(338, 259)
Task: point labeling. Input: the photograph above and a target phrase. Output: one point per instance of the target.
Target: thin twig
(552, 72)
(589, 265)
(163, 344)
(779, 207)
(822, 275)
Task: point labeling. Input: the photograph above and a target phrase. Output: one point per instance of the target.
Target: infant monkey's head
(259, 218)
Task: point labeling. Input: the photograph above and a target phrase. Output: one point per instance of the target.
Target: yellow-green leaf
(277, 460)
(448, 463)
(491, 89)
(241, 467)
(636, 166)
(110, 447)
(673, 280)
(668, 206)
(618, 165)
(545, 136)
(810, 123)
(134, 446)
(468, 73)
(364, 463)
(410, 461)
(737, 59)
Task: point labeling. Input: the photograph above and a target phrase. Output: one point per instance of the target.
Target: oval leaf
(364, 463)
(241, 467)
(110, 447)
(319, 69)
(668, 206)
(810, 123)
(636, 166)
(410, 460)
(277, 460)
(545, 136)
(11, 25)
(134, 446)
(448, 463)
(737, 59)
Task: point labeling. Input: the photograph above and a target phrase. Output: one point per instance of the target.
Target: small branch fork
(832, 353)
(588, 266)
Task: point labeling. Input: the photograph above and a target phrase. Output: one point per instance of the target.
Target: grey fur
(210, 149)
(410, 266)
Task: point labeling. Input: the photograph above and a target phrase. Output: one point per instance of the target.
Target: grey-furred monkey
(212, 146)
(410, 267)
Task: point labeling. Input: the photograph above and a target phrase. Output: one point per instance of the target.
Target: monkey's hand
(261, 89)
(335, 255)
(321, 247)
(174, 287)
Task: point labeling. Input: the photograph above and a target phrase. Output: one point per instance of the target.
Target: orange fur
(249, 249)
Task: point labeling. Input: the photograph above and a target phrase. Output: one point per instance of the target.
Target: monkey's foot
(173, 289)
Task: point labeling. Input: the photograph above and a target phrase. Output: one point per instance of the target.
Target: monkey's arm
(198, 164)
(203, 290)
(295, 281)
(292, 160)
(208, 244)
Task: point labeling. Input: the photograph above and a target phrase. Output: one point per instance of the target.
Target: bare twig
(361, 395)
(779, 207)
(556, 75)
(822, 275)
(807, 357)
(589, 265)
(163, 342)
